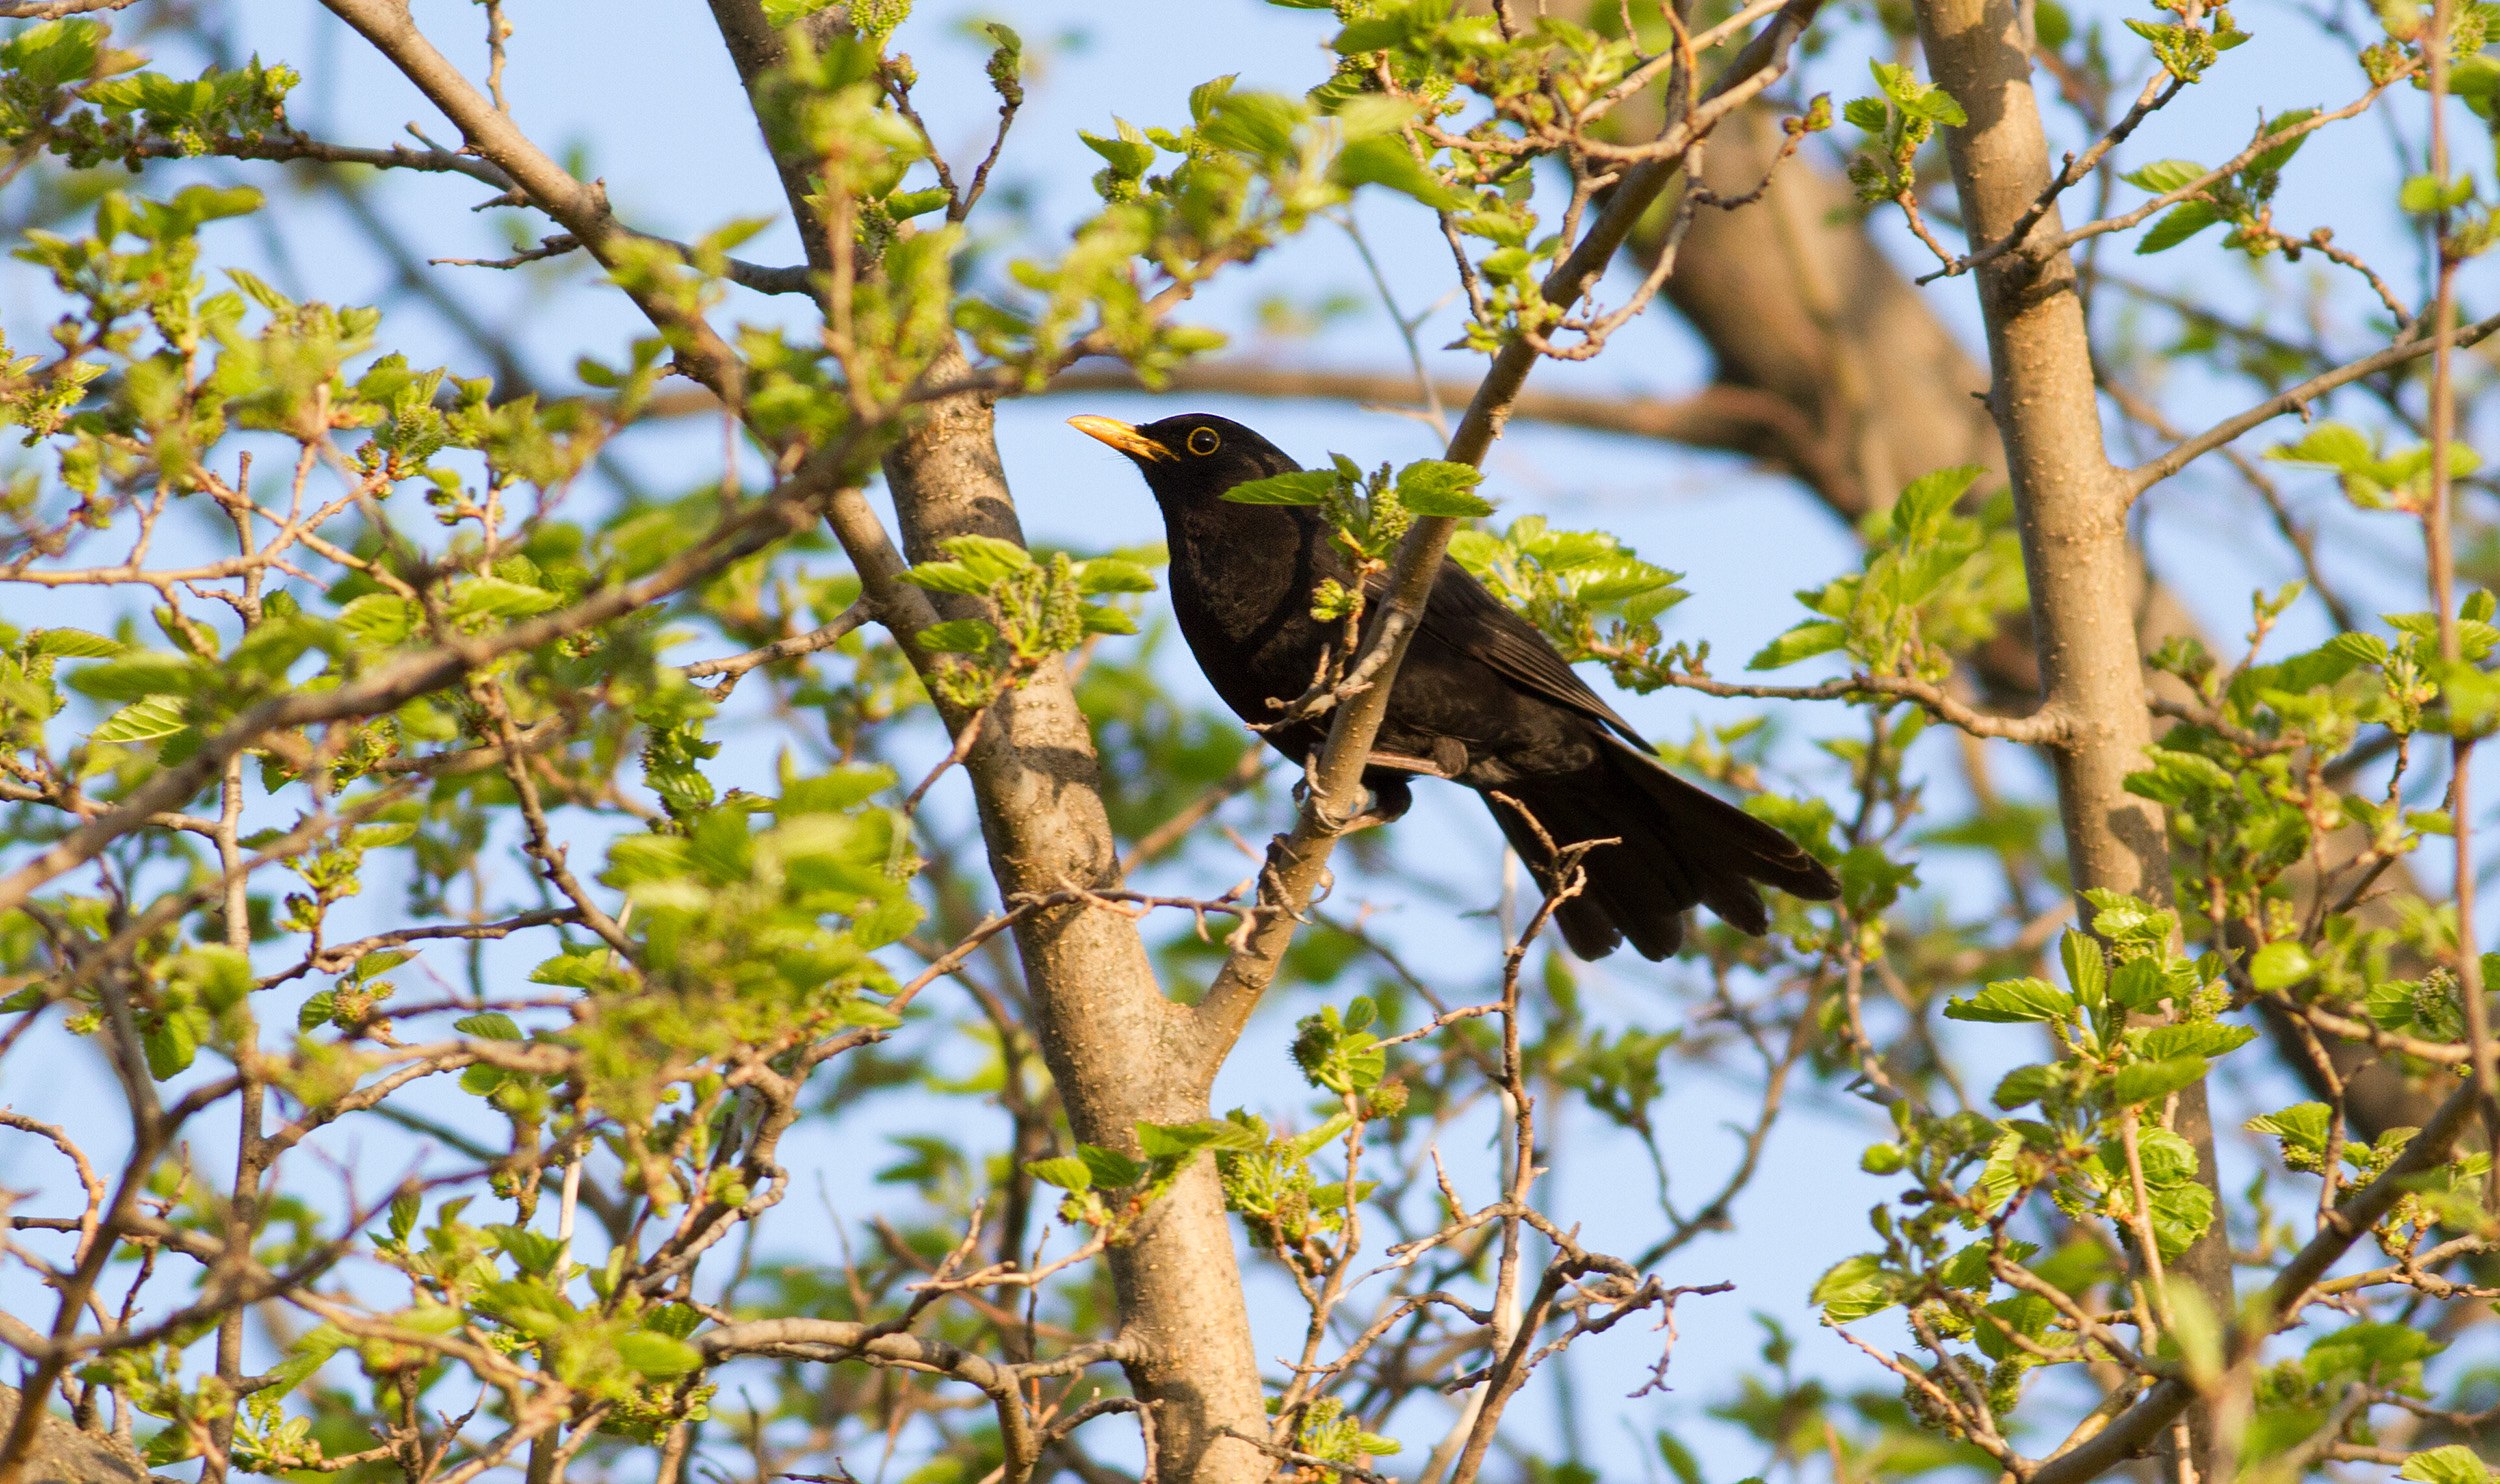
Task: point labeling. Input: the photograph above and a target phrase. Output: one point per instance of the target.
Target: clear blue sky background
(643, 92)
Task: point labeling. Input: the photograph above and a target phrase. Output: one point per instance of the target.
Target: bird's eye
(1202, 441)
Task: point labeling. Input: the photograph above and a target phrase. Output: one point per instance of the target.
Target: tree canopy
(625, 922)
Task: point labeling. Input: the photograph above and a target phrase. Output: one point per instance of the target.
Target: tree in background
(371, 630)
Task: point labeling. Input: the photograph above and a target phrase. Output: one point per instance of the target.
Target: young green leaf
(1440, 487)
(1302, 487)
(2010, 1001)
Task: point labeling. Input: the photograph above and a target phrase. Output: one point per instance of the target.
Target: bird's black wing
(1470, 620)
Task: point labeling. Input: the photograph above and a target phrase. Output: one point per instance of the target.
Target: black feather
(1480, 687)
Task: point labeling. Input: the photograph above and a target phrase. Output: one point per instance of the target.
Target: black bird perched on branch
(1481, 699)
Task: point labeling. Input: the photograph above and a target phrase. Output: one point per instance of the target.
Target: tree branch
(2153, 471)
(581, 208)
(1297, 862)
(2141, 1425)
(788, 509)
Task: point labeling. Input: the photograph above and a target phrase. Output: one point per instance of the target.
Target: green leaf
(2387, 1354)
(1204, 97)
(2280, 965)
(2361, 649)
(378, 619)
(1128, 157)
(136, 675)
(2139, 984)
(2423, 194)
(1969, 1268)
(958, 636)
(75, 644)
(489, 1025)
(2453, 1464)
(946, 577)
(1302, 487)
(1180, 1140)
(2198, 1038)
(989, 557)
(2141, 1082)
(533, 1252)
(1855, 1288)
(2023, 1086)
(1806, 640)
(1678, 1458)
(2010, 1001)
(1258, 125)
(2276, 157)
(500, 598)
(172, 1044)
(866, 1014)
(142, 721)
(1870, 114)
(2026, 1314)
(2181, 1213)
(904, 205)
(1064, 1171)
(658, 1356)
(1384, 160)
(1916, 98)
(2302, 1125)
(1441, 488)
(2164, 176)
(1112, 575)
(2338, 446)
(1111, 1170)
(2177, 225)
(2087, 968)
(55, 53)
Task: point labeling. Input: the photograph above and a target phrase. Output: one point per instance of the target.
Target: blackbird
(1481, 699)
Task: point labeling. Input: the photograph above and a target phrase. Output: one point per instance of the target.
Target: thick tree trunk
(64, 1455)
(1120, 1052)
(1797, 303)
(2071, 509)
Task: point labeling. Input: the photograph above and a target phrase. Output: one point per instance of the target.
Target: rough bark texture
(2071, 510)
(755, 49)
(1120, 1051)
(64, 1455)
(1792, 298)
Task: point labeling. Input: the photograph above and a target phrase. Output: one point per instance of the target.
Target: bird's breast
(1241, 582)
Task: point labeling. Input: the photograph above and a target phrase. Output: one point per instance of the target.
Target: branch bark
(1801, 311)
(62, 1454)
(2142, 1424)
(1119, 1051)
(1798, 303)
(2070, 509)
(1115, 1045)
(1298, 862)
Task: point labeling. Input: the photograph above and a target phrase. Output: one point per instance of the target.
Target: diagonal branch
(2142, 1424)
(1298, 862)
(2153, 471)
(789, 509)
(580, 207)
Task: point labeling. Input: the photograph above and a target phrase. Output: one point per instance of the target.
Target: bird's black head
(1193, 458)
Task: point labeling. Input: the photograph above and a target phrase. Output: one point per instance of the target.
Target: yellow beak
(1122, 436)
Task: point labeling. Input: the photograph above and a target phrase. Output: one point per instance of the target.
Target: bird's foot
(1385, 777)
(1392, 796)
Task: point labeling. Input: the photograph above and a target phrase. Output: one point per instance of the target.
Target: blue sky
(643, 96)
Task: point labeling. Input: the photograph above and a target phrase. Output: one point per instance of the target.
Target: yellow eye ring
(1202, 441)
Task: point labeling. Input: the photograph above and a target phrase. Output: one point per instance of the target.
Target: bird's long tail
(1678, 846)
